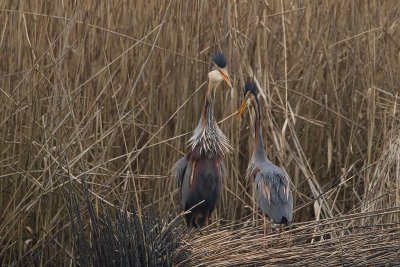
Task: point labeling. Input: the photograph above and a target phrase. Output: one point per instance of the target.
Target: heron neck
(208, 103)
(258, 151)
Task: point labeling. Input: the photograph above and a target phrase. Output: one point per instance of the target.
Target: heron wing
(273, 184)
(223, 171)
(180, 168)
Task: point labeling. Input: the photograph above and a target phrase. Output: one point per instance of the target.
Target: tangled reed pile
(340, 241)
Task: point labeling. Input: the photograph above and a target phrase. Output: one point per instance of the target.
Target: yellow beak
(226, 77)
(242, 108)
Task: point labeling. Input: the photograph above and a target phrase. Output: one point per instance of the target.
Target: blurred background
(109, 93)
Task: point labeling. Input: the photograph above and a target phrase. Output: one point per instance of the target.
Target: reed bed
(106, 94)
(340, 241)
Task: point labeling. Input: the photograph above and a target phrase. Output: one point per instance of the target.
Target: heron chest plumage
(203, 183)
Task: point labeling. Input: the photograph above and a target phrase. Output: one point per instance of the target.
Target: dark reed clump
(124, 239)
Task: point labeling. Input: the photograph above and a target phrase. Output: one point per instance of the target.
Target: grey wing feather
(273, 193)
(183, 170)
(179, 169)
(223, 172)
(278, 182)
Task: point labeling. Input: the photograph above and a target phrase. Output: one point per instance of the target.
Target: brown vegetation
(109, 93)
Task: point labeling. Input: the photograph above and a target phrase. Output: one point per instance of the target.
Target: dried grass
(342, 240)
(110, 92)
(384, 188)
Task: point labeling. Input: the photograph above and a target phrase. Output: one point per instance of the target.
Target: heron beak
(242, 108)
(226, 77)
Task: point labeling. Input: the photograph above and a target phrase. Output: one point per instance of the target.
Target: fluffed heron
(201, 173)
(271, 184)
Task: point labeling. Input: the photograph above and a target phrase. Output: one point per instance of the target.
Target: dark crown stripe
(219, 60)
(250, 86)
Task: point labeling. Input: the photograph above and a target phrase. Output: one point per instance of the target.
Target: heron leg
(279, 235)
(265, 230)
(188, 220)
(196, 222)
(206, 219)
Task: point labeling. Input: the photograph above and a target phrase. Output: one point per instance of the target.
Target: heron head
(250, 97)
(218, 71)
